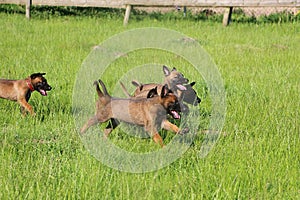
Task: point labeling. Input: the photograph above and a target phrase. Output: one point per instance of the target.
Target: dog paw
(107, 131)
(184, 131)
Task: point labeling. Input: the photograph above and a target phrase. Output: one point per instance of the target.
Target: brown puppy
(175, 81)
(187, 95)
(150, 113)
(173, 78)
(20, 90)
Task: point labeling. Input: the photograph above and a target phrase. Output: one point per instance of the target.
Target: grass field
(256, 157)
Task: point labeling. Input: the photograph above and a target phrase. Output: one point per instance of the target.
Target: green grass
(256, 157)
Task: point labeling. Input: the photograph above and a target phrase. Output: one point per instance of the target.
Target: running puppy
(173, 79)
(20, 90)
(176, 82)
(187, 95)
(150, 113)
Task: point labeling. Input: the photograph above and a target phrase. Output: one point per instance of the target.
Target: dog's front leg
(25, 106)
(169, 126)
(172, 127)
(157, 139)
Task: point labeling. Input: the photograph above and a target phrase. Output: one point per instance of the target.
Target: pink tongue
(175, 114)
(43, 92)
(181, 87)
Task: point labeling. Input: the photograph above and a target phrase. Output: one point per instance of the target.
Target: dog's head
(39, 83)
(189, 95)
(174, 78)
(170, 102)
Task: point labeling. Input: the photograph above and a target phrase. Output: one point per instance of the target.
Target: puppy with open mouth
(150, 112)
(176, 82)
(20, 90)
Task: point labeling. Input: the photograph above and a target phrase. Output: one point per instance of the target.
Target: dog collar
(30, 85)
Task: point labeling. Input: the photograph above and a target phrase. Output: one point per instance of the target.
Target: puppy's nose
(49, 87)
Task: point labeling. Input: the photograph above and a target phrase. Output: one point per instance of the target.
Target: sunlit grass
(256, 157)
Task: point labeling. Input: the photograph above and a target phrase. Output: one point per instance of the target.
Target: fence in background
(128, 4)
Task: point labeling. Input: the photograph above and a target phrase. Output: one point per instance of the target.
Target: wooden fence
(128, 4)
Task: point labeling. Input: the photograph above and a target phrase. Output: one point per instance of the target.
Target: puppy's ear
(33, 76)
(166, 70)
(99, 92)
(152, 93)
(192, 83)
(103, 87)
(136, 83)
(141, 87)
(164, 91)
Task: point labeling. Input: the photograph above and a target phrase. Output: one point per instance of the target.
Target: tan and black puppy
(187, 95)
(150, 113)
(176, 82)
(173, 79)
(20, 90)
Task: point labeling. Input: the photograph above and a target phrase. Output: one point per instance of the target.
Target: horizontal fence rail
(77, 3)
(215, 3)
(128, 4)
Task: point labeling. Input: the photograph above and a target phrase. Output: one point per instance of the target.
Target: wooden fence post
(127, 13)
(227, 16)
(28, 6)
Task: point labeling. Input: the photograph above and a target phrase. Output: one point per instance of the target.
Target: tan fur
(175, 82)
(19, 90)
(149, 113)
(172, 79)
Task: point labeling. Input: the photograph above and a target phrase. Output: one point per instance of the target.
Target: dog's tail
(125, 90)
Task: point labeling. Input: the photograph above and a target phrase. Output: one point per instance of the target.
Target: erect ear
(152, 93)
(99, 92)
(166, 70)
(141, 87)
(33, 76)
(136, 83)
(164, 91)
(192, 83)
(174, 69)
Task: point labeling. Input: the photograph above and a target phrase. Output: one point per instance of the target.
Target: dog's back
(136, 111)
(149, 113)
(8, 89)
